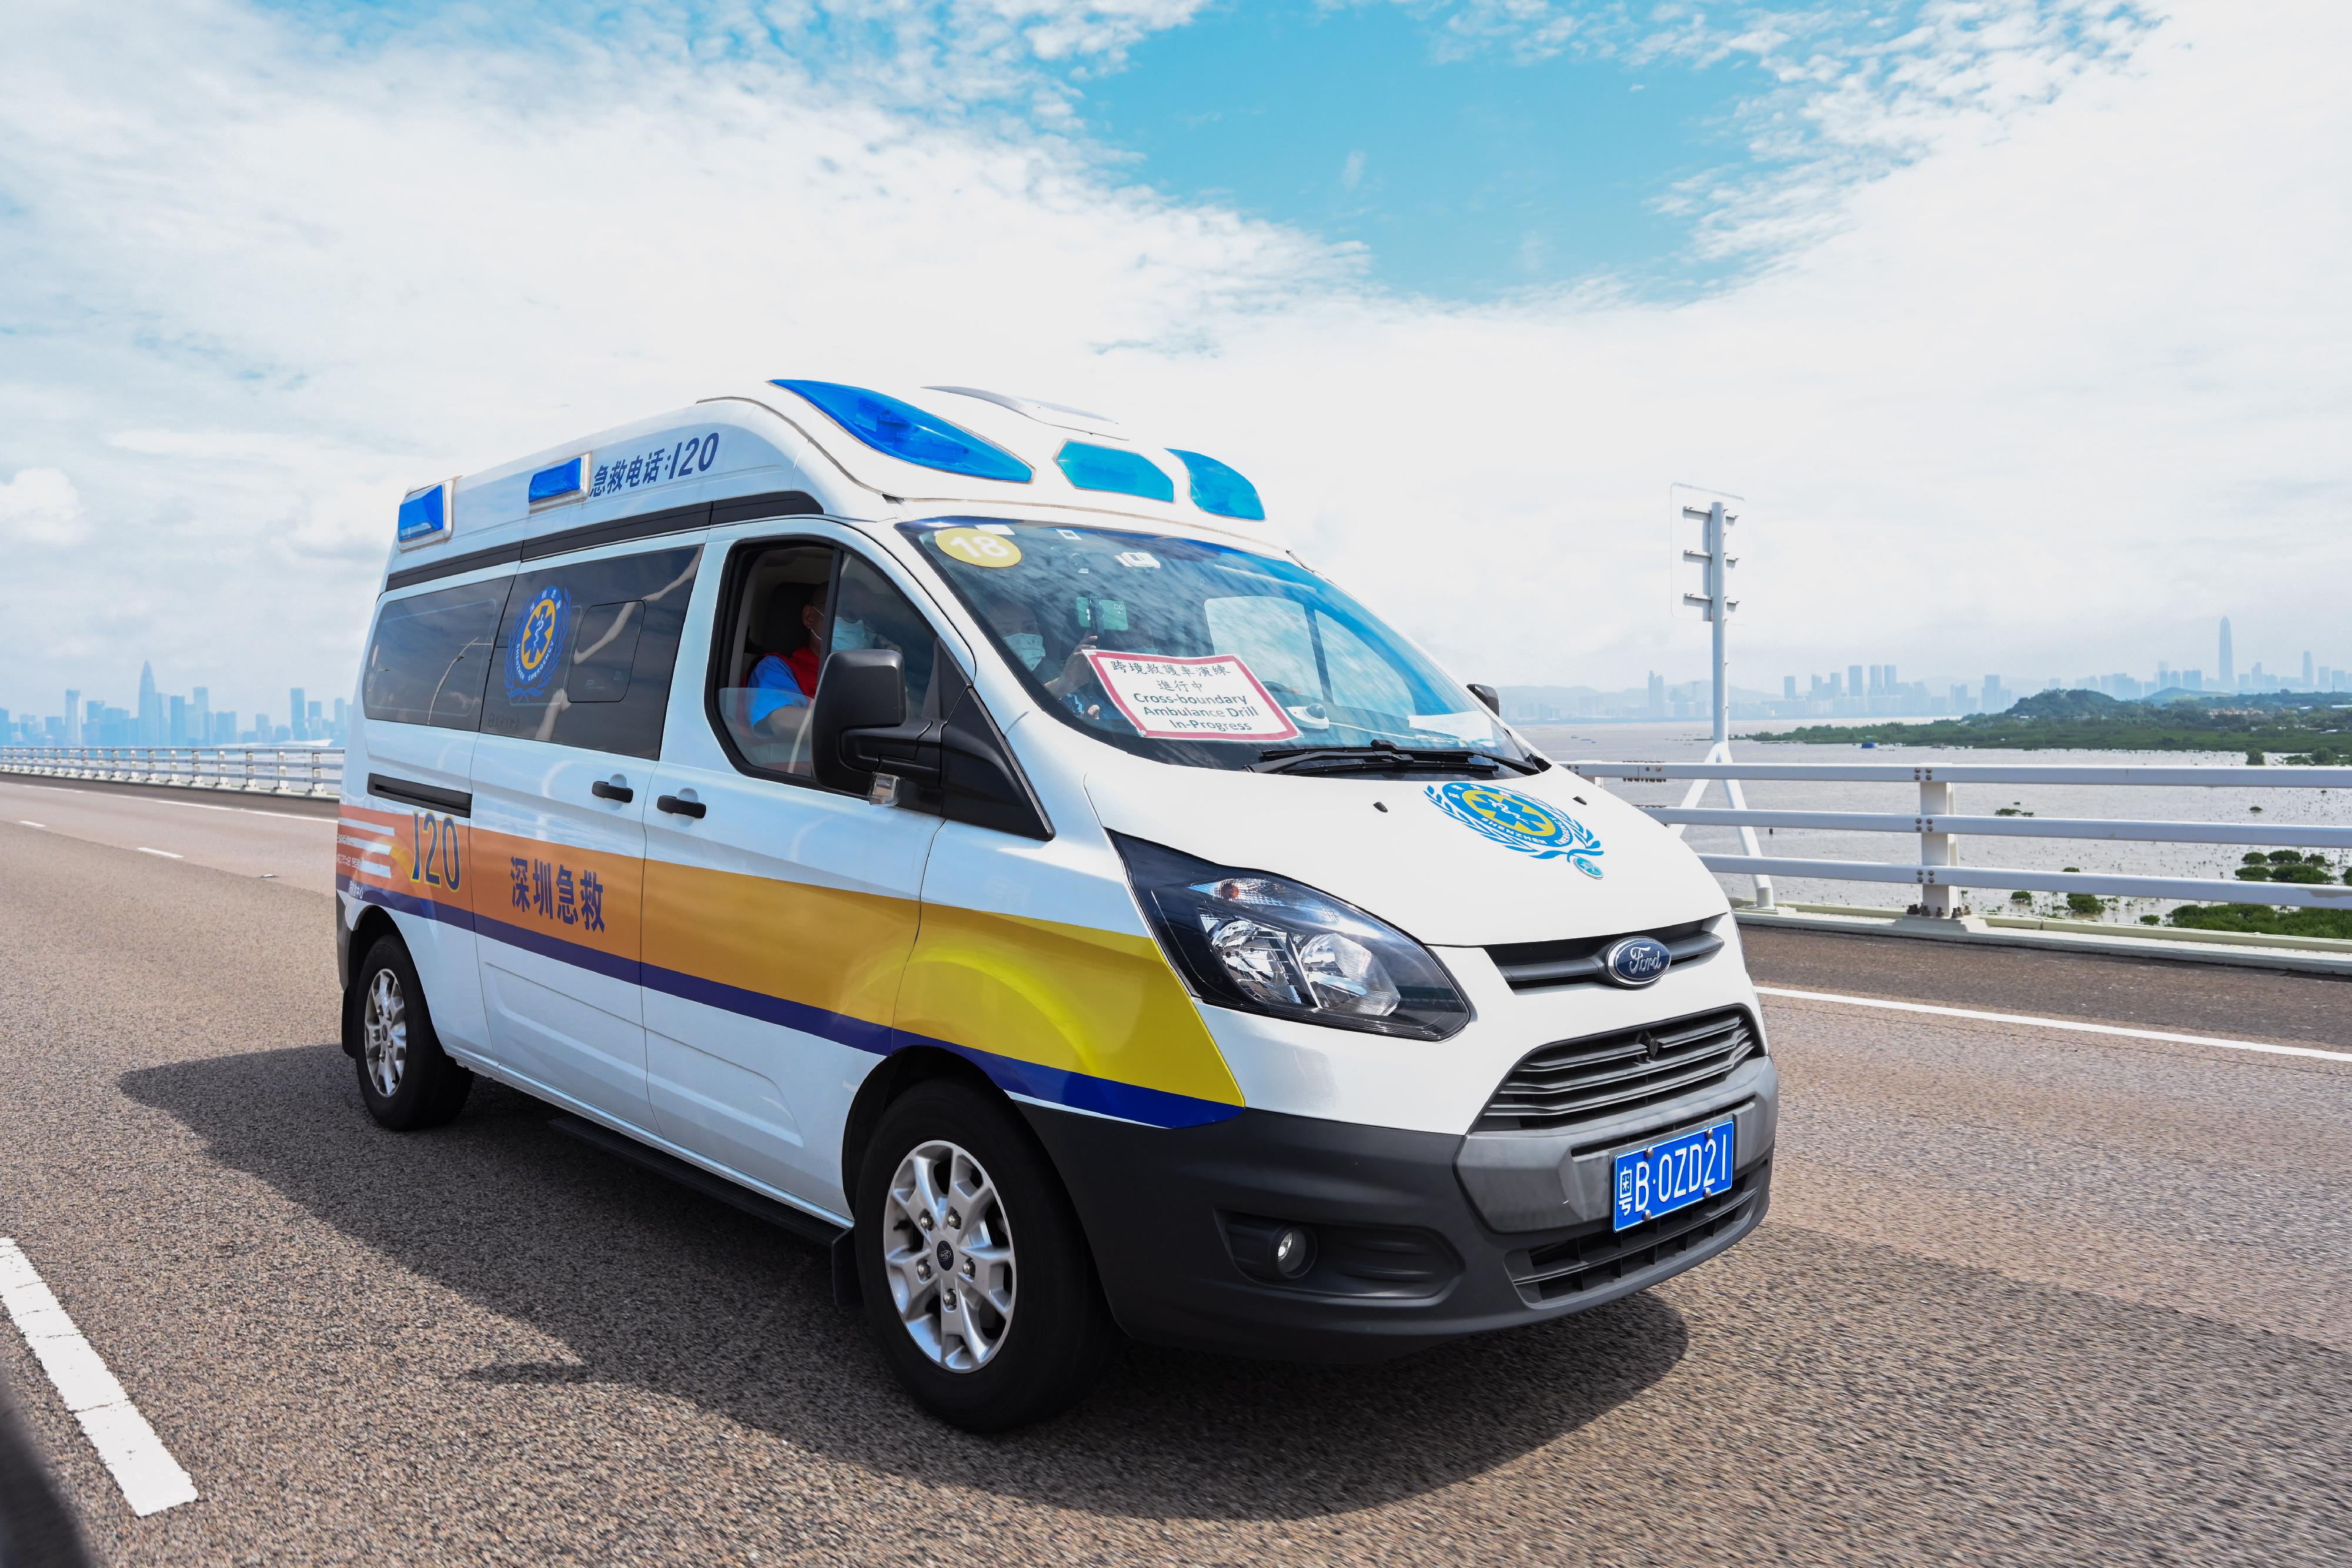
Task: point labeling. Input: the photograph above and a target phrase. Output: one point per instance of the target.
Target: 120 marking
(433, 854)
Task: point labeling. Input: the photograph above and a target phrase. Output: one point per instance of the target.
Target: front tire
(976, 1277)
(406, 1078)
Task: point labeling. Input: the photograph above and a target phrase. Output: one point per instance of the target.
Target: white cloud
(2058, 384)
(40, 506)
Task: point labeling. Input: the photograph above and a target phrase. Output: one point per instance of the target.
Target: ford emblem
(1635, 961)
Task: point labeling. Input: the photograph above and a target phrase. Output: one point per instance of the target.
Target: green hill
(2288, 728)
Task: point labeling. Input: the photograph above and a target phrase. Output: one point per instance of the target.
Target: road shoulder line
(2074, 1026)
(152, 1481)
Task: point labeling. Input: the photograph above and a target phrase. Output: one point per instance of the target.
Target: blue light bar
(1092, 468)
(424, 514)
(566, 479)
(901, 430)
(1219, 490)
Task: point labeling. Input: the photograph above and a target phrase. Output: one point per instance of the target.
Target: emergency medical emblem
(1516, 823)
(530, 662)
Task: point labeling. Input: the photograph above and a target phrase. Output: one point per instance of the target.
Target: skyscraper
(295, 710)
(151, 708)
(1853, 686)
(200, 716)
(73, 717)
(2308, 683)
(2228, 670)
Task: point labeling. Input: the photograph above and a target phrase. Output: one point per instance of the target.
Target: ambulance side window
(584, 652)
(874, 614)
(430, 656)
(793, 606)
(764, 670)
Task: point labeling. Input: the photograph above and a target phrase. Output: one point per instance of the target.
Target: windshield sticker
(1516, 823)
(1214, 698)
(1142, 559)
(976, 547)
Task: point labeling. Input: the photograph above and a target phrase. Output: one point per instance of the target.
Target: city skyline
(161, 718)
(1853, 689)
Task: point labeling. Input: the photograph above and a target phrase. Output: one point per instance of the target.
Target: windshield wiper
(1384, 757)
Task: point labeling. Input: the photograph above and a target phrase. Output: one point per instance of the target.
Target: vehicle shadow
(650, 1285)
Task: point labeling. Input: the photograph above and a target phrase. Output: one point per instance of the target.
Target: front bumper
(1421, 1237)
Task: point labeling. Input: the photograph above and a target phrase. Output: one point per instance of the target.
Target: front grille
(1576, 960)
(1604, 1256)
(1579, 1080)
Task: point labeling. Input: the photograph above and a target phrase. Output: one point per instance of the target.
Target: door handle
(605, 790)
(678, 807)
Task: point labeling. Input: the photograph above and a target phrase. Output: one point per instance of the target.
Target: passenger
(1025, 639)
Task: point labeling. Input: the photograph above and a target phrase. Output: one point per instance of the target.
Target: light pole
(1715, 603)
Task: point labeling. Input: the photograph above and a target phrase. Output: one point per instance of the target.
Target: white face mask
(851, 635)
(1026, 646)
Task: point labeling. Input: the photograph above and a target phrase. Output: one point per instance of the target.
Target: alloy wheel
(947, 1250)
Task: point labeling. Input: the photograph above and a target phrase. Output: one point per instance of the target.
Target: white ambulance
(941, 822)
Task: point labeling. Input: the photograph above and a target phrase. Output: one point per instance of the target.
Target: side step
(834, 1238)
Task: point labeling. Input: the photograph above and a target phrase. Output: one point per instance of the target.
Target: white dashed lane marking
(23, 823)
(165, 853)
(152, 1481)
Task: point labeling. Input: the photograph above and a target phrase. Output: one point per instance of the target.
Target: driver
(786, 677)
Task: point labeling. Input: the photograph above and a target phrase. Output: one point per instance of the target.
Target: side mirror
(1490, 697)
(861, 689)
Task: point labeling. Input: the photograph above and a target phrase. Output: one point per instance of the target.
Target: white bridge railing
(307, 770)
(1937, 872)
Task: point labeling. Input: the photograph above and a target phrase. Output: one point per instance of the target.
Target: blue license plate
(1672, 1174)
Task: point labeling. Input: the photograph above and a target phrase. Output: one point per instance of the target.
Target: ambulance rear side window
(584, 652)
(430, 656)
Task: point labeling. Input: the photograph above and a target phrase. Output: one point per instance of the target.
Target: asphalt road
(284, 841)
(2024, 1296)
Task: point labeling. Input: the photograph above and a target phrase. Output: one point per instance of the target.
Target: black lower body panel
(1180, 1221)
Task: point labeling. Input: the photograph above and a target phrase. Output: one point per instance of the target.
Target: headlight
(1266, 945)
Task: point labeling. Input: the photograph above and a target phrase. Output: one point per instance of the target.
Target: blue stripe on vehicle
(548, 946)
(406, 903)
(873, 1039)
(1053, 1085)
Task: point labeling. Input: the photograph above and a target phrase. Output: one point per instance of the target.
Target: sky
(2018, 324)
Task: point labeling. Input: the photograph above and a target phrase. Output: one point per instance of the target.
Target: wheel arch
(374, 922)
(900, 1071)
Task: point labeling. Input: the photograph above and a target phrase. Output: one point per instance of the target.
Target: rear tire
(406, 1078)
(976, 1277)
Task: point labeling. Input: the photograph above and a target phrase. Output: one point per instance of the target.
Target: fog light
(1294, 1251)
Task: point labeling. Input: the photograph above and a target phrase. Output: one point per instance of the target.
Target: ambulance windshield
(1212, 655)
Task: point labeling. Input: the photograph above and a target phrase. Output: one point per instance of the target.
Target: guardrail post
(1738, 798)
(1935, 849)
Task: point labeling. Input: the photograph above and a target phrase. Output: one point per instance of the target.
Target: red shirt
(804, 667)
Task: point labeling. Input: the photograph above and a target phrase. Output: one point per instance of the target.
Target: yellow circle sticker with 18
(976, 547)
